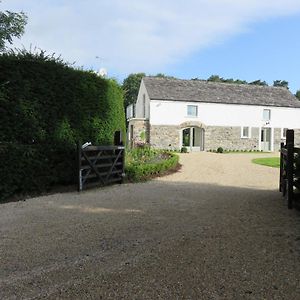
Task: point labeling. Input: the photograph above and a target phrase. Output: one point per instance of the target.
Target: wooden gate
(100, 165)
(289, 169)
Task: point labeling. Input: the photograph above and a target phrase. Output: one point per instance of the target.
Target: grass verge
(273, 162)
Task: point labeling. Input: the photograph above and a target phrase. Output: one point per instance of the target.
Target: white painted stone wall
(211, 114)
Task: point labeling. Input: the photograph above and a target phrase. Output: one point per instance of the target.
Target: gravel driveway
(217, 229)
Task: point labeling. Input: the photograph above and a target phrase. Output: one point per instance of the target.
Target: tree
(258, 82)
(131, 86)
(11, 25)
(217, 78)
(281, 83)
(162, 75)
(298, 94)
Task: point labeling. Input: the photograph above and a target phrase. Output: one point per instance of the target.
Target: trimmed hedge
(45, 107)
(139, 171)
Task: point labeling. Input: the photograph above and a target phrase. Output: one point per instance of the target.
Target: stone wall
(277, 139)
(229, 138)
(140, 132)
(165, 137)
(297, 137)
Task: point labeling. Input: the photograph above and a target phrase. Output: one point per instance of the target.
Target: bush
(141, 165)
(45, 107)
(220, 150)
(184, 150)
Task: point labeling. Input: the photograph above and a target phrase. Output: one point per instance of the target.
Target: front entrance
(266, 138)
(193, 138)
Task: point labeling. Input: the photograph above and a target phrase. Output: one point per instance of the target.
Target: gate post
(79, 174)
(281, 167)
(290, 167)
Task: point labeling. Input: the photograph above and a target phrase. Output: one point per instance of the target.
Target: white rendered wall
(139, 103)
(211, 114)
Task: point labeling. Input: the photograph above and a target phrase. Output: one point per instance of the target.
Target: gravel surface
(217, 229)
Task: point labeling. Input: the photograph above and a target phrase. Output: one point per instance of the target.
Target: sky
(249, 39)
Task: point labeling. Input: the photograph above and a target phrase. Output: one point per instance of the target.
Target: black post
(123, 165)
(290, 167)
(79, 181)
(281, 167)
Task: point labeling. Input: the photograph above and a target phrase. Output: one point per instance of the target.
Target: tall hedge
(45, 107)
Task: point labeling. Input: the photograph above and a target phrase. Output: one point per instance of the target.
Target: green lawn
(268, 161)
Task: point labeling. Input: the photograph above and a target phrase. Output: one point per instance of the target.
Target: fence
(289, 169)
(100, 165)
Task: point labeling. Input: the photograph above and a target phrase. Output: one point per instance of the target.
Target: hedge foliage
(142, 164)
(46, 106)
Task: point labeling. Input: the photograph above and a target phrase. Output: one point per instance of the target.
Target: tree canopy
(298, 94)
(11, 25)
(281, 83)
(217, 78)
(258, 82)
(131, 86)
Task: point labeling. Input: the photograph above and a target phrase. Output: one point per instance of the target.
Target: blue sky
(249, 39)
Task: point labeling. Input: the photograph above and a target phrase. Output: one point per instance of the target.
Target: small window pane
(245, 131)
(267, 114)
(192, 110)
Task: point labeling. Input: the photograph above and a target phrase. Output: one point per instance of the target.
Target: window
(245, 132)
(192, 110)
(144, 106)
(283, 133)
(267, 115)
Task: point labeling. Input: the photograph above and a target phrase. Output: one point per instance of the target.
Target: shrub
(143, 135)
(45, 107)
(183, 150)
(142, 165)
(220, 150)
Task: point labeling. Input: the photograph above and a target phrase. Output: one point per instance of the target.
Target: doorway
(266, 138)
(193, 138)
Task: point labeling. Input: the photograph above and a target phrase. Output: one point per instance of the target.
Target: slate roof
(215, 92)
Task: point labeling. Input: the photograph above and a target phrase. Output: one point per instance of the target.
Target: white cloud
(139, 35)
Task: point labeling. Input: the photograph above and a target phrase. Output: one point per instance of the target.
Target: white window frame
(282, 133)
(270, 114)
(242, 132)
(187, 111)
